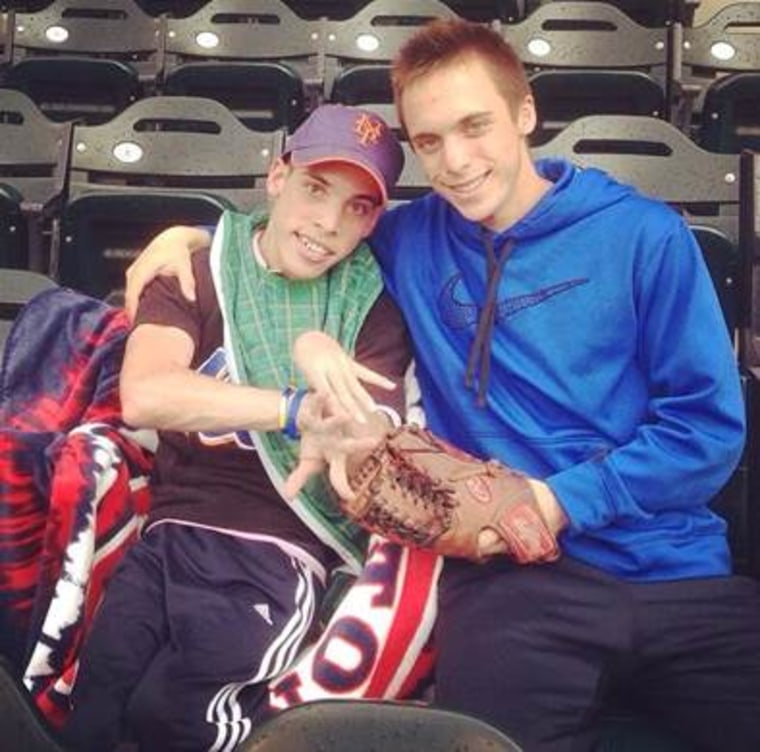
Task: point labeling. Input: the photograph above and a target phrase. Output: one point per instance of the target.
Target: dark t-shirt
(218, 480)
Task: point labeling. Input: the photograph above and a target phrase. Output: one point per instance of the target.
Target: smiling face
(472, 144)
(319, 214)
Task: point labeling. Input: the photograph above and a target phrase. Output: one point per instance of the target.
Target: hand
(491, 543)
(327, 442)
(167, 254)
(330, 370)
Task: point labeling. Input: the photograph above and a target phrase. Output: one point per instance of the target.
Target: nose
(454, 154)
(330, 216)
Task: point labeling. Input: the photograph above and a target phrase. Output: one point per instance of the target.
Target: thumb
(187, 282)
(132, 293)
(339, 478)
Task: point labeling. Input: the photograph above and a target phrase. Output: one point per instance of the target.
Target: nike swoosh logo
(459, 314)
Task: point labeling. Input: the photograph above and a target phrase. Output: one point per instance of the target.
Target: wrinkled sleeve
(692, 439)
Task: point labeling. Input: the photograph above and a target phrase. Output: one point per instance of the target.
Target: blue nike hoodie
(612, 375)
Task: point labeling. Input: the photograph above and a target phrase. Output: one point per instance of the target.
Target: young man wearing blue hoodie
(566, 325)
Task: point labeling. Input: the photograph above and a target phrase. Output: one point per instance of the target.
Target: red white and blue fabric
(73, 483)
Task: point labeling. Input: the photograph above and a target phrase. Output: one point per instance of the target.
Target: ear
(276, 177)
(526, 116)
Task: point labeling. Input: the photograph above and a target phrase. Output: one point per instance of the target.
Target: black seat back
(163, 161)
(34, 155)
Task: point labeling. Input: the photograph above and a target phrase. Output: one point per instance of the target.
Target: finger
(372, 377)
(135, 284)
(350, 445)
(491, 543)
(324, 421)
(349, 404)
(335, 415)
(302, 472)
(339, 478)
(353, 397)
(317, 382)
(187, 281)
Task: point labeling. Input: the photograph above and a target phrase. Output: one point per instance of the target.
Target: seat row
(88, 59)
(77, 200)
(645, 12)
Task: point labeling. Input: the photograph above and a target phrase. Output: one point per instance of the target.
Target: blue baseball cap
(340, 133)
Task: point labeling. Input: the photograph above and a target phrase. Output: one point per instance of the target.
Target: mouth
(314, 251)
(466, 188)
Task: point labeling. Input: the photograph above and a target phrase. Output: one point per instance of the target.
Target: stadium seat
(750, 234)
(34, 152)
(661, 161)
(17, 287)
(486, 11)
(655, 13)
(587, 58)
(413, 182)
(358, 52)
(730, 119)
(353, 725)
(174, 8)
(718, 79)
(254, 58)
(333, 9)
(85, 59)
(750, 350)
(483, 11)
(6, 24)
(163, 161)
(24, 6)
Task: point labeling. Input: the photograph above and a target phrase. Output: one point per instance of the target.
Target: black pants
(192, 625)
(539, 650)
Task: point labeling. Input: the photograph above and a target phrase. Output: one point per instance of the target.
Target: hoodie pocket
(560, 453)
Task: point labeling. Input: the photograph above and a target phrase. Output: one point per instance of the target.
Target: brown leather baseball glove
(417, 490)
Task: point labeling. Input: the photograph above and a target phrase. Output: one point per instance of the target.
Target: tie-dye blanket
(73, 484)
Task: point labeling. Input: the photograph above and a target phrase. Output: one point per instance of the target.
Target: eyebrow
(484, 115)
(463, 121)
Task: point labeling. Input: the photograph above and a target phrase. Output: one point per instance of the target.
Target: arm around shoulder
(168, 253)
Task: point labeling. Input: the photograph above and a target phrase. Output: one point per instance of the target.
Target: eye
(425, 144)
(476, 127)
(313, 188)
(361, 208)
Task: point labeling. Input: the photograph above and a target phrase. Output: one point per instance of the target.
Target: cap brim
(309, 157)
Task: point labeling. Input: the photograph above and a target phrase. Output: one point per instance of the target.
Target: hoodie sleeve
(691, 441)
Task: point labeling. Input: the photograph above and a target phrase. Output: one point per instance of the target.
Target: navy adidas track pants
(192, 624)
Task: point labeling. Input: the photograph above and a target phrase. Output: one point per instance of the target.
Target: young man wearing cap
(223, 587)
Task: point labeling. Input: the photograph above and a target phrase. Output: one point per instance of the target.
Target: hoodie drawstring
(480, 352)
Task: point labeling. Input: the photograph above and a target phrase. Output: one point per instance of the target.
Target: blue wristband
(294, 403)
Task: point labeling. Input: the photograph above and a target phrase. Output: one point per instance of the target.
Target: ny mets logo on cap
(368, 130)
